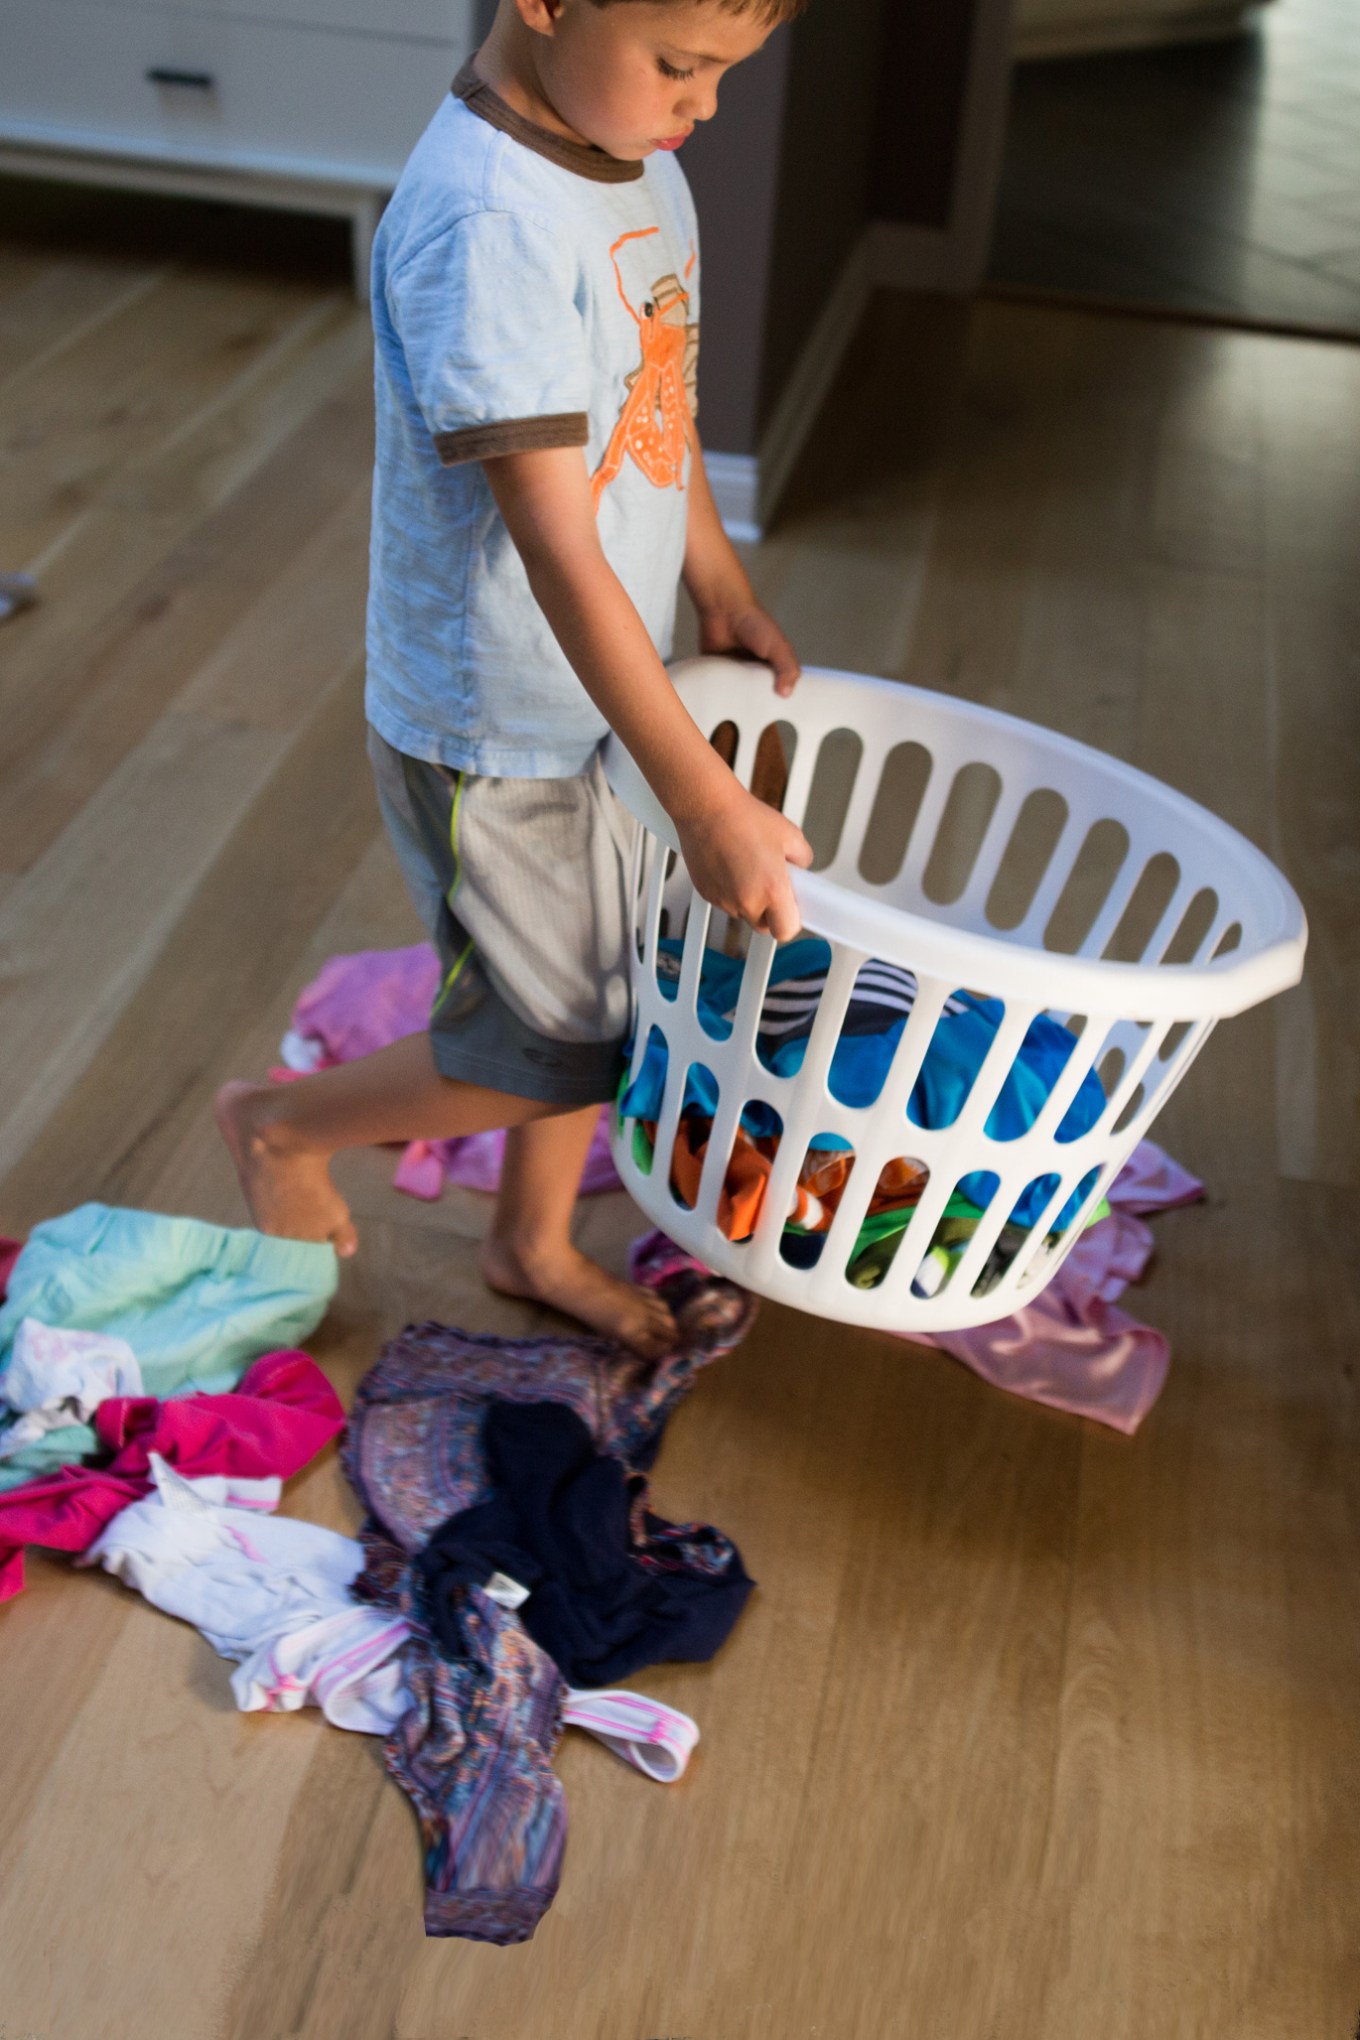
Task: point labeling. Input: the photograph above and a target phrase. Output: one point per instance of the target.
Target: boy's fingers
(785, 662)
(797, 849)
(782, 917)
(761, 634)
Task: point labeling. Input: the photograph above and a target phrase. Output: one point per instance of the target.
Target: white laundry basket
(985, 855)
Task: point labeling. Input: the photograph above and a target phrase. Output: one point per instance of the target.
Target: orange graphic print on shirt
(656, 417)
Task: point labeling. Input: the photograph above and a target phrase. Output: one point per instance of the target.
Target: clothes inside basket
(876, 1016)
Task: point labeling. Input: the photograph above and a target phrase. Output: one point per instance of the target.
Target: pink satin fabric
(1072, 1348)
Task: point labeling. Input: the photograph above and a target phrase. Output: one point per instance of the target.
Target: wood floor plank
(220, 954)
(60, 304)
(79, 931)
(68, 425)
(60, 739)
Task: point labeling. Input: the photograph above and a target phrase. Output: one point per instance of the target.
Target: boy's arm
(730, 618)
(737, 849)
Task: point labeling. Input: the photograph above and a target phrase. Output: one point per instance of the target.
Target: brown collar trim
(582, 157)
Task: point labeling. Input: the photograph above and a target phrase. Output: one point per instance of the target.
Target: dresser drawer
(217, 90)
(427, 20)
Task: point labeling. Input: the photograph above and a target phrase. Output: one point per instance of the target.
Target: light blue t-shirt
(528, 291)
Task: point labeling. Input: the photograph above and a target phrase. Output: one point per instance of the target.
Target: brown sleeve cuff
(512, 435)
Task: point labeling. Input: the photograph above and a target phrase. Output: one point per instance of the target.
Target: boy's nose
(699, 104)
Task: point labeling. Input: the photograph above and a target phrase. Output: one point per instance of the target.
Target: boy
(539, 491)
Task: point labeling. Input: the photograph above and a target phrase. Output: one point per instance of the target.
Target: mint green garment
(196, 1303)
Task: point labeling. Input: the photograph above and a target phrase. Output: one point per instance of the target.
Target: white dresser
(310, 104)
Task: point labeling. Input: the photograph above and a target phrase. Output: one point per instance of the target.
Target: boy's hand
(738, 852)
(730, 618)
(742, 626)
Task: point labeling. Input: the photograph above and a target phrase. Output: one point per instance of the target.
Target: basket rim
(1052, 979)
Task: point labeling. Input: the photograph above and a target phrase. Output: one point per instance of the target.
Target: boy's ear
(541, 16)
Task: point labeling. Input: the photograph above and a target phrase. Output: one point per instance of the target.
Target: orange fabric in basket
(821, 1181)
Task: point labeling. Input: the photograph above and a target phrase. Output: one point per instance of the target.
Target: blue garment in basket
(859, 1066)
(196, 1303)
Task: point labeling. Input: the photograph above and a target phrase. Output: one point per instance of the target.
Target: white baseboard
(1096, 37)
(734, 479)
(813, 373)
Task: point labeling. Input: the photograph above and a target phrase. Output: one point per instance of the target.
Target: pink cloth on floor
(364, 1002)
(277, 1420)
(1071, 1348)
(10, 1251)
(360, 1003)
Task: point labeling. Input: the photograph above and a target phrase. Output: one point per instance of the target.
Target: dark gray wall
(922, 83)
(732, 164)
(853, 113)
(830, 102)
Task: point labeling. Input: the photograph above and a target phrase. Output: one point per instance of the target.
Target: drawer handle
(198, 81)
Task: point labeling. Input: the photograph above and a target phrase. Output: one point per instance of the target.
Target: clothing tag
(507, 1593)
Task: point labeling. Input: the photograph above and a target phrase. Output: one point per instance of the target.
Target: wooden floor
(1216, 178)
(1031, 1730)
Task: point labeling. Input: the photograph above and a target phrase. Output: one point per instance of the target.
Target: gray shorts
(523, 887)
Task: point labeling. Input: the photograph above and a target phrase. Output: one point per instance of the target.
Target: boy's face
(636, 76)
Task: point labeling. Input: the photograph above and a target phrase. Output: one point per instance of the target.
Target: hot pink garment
(1071, 1348)
(10, 1251)
(365, 1001)
(277, 1420)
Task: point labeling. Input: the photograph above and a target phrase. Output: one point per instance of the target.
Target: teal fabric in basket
(196, 1303)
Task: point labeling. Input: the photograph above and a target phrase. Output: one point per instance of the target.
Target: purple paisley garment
(474, 1751)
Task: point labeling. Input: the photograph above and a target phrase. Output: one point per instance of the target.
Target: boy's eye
(672, 70)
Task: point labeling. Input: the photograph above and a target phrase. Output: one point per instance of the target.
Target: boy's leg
(529, 1250)
(282, 1136)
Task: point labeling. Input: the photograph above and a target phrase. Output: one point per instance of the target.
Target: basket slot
(1194, 929)
(1119, 903)
(860, 817)
(916, 1239)
(681, 1201)
(971, 904)
(1088, 1049)
(755, 978)
(911, 1052)
(922, 844)
(1027, 857)
(692, 955)
(800, 778)
(843, 1230)
(810, 1093)
(737, 1057)
(974, 794)
(1134, 1074)
(641, 1043)
(1036, 1253)
(840, 763)
(893, 809)
(668, 1119)
(651, 912)
(1030, 930)
(977, 1253)
(1091, 896)
(1146, 909)
(992, 1072)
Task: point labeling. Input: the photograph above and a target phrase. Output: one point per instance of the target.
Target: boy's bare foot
(288, 1189)
(570, 1282)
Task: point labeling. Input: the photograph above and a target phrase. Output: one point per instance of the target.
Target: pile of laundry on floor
(510, 1567)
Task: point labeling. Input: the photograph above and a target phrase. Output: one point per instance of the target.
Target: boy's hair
(773, 11)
